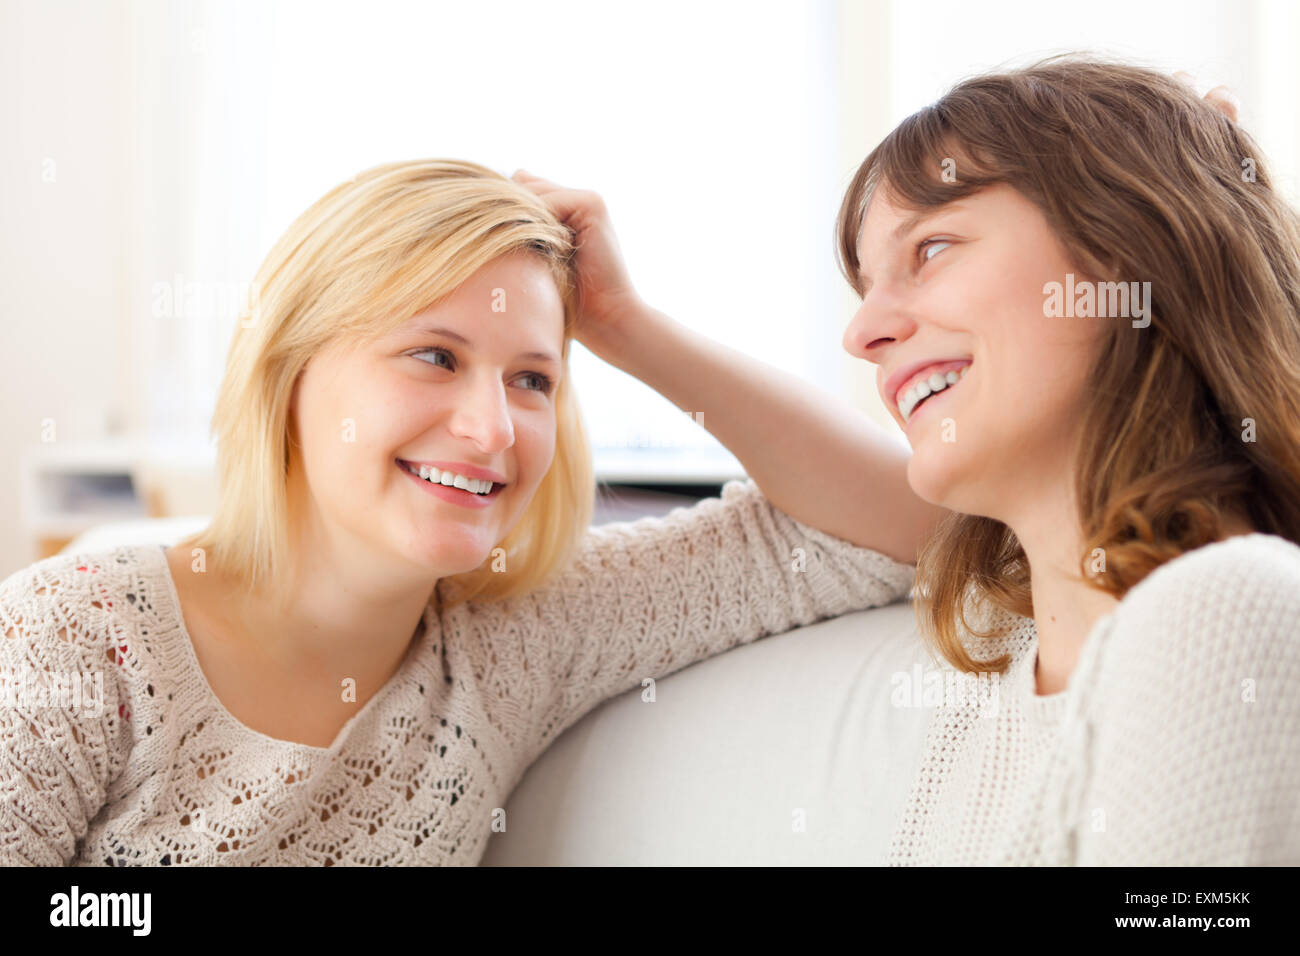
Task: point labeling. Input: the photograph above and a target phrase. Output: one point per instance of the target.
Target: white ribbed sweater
(1175, 743)
(164, 774)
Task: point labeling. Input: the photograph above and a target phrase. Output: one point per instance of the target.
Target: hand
(607, 302)
(1221, 97)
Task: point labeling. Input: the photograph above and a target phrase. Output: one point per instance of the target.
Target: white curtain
(709, 129)
(720, 133)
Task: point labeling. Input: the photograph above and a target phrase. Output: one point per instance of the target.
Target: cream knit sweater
(1175, 743)
(1177, 740)
(114, 750)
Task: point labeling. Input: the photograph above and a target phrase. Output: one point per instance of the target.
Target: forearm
(815, 457)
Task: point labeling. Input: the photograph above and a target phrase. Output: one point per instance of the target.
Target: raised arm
(643, 599)
(815, 457)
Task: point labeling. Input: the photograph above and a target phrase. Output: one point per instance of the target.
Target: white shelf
(666, 466)
(65, 491)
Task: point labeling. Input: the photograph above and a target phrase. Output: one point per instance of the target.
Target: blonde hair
(1138, 177)
(367, 256)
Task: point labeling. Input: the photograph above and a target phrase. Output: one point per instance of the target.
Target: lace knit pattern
(1175, 743)
(140, 764)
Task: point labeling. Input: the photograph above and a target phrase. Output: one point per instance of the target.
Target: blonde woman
(1119, 572)
(399, 603)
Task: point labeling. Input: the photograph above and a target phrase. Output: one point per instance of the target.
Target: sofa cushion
(733, 754)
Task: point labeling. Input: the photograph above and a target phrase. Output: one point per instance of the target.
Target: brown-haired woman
(1083, 296)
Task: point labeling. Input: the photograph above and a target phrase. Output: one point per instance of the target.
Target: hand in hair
(607, 301)
(1221, 97)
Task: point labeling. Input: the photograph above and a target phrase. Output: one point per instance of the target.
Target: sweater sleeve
(58, 710)
(1195, 751)
(643, 599)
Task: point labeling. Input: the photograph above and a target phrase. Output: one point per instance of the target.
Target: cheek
(1036, 390)
(1057, 355)
(535, 443)
(317, 415)
(396, 413)
(347, 423)
(1048, 356)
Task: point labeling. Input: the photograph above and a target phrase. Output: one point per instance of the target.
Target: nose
(483, 416)
(878, 323)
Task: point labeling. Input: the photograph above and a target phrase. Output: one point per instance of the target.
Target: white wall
(141, 139)
(62, 210)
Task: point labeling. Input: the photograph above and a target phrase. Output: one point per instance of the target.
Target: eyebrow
(457, 337)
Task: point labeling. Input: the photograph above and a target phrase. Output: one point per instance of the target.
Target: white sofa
(784, 751)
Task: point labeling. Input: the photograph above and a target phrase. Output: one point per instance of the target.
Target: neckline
(192, 662)
(1050, 707)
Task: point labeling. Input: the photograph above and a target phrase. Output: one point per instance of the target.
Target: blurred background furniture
(104, 489)
(112, 506)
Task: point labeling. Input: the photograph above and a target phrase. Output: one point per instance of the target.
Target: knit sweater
(115, 751)
(1177, 740)
(1175, 743)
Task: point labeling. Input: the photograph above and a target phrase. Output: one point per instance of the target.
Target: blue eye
(546, 383)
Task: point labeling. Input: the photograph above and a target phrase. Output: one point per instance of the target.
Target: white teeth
(937, 382)
(478, 486)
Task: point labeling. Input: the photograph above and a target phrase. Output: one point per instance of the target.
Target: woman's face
(963, 289)
(455, 388)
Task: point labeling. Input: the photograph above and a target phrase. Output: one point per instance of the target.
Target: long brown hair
(1191, 419)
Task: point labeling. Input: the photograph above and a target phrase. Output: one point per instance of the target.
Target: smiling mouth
(414, 472)
(916, 396)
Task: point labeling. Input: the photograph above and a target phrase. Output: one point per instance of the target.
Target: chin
(446, 561)
(931, 483)
(430, 551)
